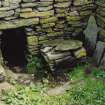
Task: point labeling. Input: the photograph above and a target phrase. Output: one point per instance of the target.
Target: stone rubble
(59, 51)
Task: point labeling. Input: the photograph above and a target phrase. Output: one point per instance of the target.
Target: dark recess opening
(13, 46)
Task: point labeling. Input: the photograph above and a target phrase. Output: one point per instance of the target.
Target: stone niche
(14, 46)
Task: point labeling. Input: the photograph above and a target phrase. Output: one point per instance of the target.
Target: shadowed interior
(14, 47)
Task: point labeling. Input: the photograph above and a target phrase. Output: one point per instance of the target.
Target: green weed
(90, 92)
(35, 64)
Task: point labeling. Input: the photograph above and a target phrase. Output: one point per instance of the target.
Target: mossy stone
(64, 45)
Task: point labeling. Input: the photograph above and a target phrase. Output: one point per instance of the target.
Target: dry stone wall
(45, 19)
(51, 16)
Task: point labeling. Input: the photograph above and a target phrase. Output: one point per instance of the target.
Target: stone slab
(100, 47)
(18, 23)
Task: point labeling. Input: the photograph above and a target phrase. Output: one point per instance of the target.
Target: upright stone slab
(98, 54)
(91, 33)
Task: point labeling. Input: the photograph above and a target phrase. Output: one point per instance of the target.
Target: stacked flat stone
(78, 15)
(32, 41)
(49, 17)
(27, 11)
(100, 16)
(63, 53)
(61, 8)
(47, 21)
(68, 17)
(16, 13)
(20, 13)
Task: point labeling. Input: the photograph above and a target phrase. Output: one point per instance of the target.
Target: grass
(91, 91)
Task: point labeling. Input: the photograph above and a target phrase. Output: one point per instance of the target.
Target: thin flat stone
(29, 0)
(18, 23)
(6, 13)
(63, 45)
(25, 5)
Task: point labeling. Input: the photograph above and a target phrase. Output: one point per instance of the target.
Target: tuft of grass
(78, 72)
(34, 64)
(99, 73)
